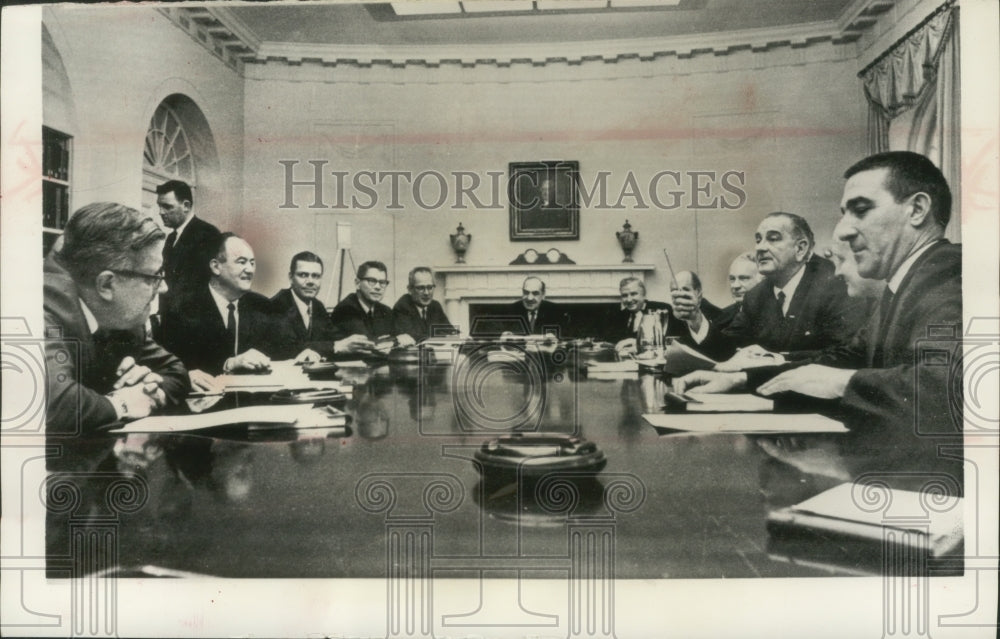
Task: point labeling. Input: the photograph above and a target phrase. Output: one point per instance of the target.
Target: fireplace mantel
(465, 284)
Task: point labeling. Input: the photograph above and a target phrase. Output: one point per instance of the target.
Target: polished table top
(304, 504)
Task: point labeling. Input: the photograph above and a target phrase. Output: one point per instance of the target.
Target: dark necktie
(423, 314)
(883, 328)
(168, 248)
(531, 321)
(309, 319)
(781, 303)
(231, 328)
(370, 321)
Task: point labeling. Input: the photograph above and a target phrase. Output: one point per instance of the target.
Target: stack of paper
(297, 416)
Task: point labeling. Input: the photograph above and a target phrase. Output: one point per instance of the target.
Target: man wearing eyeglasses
(223, 327)
(101, 364)
(417, 313)
(363, 313)
(306, 332)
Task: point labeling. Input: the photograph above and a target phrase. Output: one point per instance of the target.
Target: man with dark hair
(223, 326)
(799, 307)
(417, 313)
(895, 208)
(362, 312)
(190, 244)
(305, 330)
(101, 365)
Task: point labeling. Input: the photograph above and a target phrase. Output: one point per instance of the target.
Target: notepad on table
(837, 514)
(729, 403)
(747, 423)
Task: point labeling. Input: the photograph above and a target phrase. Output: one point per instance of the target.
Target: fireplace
(588, 292)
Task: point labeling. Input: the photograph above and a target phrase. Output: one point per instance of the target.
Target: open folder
(748, 423)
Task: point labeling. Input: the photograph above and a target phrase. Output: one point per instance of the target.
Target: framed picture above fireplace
(544, 200)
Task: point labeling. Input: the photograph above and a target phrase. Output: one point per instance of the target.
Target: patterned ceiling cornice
(228, 38)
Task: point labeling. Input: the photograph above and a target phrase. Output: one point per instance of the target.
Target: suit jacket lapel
(889, 333)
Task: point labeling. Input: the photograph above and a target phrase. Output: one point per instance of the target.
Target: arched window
(167, 154)
(179, 145)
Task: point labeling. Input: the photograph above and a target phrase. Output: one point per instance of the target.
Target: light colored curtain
(913, 100)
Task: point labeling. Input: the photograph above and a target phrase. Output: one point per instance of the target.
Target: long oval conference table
(405, 482)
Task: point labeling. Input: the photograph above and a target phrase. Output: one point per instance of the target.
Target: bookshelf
(56, 152)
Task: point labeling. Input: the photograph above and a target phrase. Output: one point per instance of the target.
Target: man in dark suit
(743, 276)
(304, 329)
(799, 306)
(417, 313)
(362, 312)
(895, 208)
(222, 327)
(534, 314)
(101, 364)
(624, 323)
(189, 246)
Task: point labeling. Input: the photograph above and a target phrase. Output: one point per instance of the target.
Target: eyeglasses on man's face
(371, 281)
(426, 288)
(152, 278)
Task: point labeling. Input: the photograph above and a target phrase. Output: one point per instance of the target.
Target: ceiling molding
(227, 37)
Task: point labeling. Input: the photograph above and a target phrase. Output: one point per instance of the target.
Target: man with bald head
(743, 276)
(537, 315)
(224, 327)
(799, 307)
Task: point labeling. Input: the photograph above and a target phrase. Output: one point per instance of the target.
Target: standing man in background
(189, 245)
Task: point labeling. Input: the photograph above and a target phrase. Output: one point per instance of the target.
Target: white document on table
(681, 359)
(837, 512)
(749, 423)
(276, 415)
(729, 403)
(626, 366)
(351, 363)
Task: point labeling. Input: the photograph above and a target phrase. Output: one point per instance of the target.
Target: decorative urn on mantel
(627, 238)
(460, 243)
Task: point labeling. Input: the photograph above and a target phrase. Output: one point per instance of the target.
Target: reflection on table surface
(316, 503)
